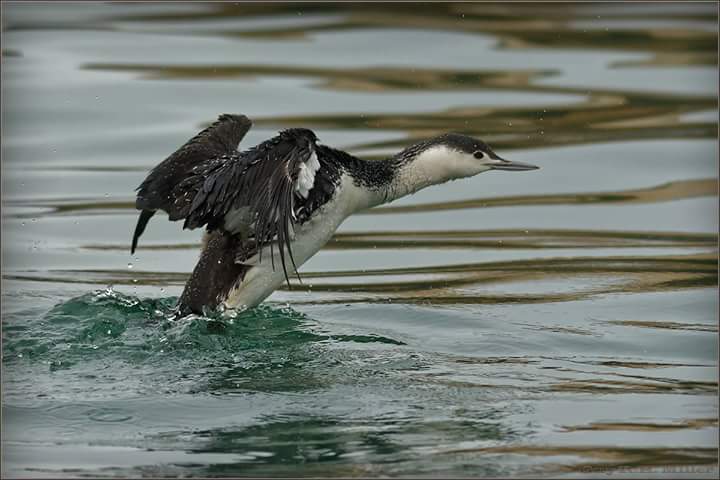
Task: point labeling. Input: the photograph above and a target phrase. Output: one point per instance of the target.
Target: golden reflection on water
(532, 26)
(670, 191)
(606, 460)
(600, 116)
(652, 427)
(455, 284)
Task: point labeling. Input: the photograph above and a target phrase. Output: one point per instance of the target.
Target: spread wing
(252, 194)
(156, 191)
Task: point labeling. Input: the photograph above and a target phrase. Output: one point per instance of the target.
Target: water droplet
(109, 332)
(107, 195)
(20, 355)
(33, 219)
(22, 224)
(97, 97)
(162, 290)
(134, 280)
(95, 347)
(130, 265)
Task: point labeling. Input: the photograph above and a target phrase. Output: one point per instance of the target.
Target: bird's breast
(309, 237)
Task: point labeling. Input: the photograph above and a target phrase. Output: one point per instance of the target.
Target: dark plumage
(156, 191)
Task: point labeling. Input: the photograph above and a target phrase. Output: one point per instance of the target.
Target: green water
(561, 322)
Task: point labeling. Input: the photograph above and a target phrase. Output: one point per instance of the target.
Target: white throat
(436, 165)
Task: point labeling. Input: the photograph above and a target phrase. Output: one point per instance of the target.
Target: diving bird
(268, 209)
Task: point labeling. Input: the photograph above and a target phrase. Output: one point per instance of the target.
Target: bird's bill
(502, 164)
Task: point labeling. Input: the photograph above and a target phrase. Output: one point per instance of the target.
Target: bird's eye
(478, 154)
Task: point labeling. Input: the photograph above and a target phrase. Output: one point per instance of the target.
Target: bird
(266, 210)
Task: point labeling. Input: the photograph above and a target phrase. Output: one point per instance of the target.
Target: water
(561, 322)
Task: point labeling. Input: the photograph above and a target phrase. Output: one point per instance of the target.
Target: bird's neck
(383, 181)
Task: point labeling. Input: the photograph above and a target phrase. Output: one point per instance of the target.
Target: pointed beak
(502, 164)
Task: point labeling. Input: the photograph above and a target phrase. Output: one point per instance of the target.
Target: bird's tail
(142, 222)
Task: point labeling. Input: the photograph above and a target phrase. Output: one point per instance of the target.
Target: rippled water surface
(555, 322)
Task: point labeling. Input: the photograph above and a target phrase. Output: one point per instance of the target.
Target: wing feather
(156, 192)
(252, 193)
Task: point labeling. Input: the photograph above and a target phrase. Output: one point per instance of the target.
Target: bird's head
(453, 155)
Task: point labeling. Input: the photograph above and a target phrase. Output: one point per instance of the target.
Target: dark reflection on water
(351, 446)
(570, 329)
